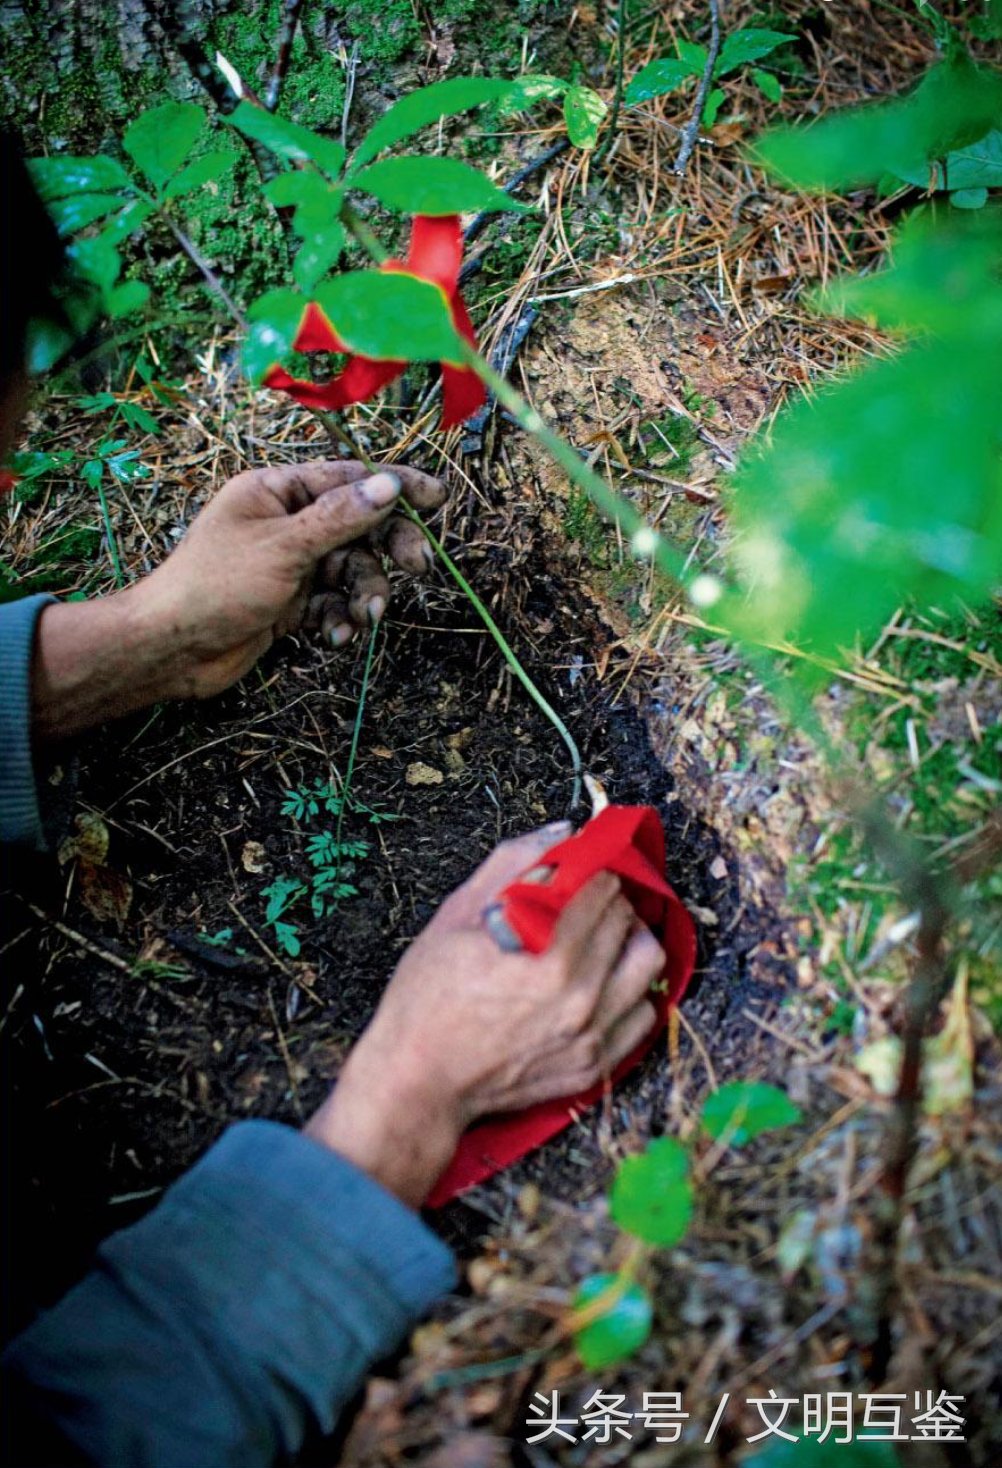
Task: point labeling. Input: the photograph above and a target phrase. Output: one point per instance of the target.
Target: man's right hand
(464, 1029)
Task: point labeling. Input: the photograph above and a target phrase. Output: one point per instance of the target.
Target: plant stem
(211, 278)
(346, 782)
(110, 533)
(340, 435)
(691, 130)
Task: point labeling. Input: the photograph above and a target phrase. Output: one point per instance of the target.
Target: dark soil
(116, 1082)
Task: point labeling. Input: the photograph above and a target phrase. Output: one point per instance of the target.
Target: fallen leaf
(380, 751)
(89, 844)
(106, 894)
(252, 858)
(422, 774)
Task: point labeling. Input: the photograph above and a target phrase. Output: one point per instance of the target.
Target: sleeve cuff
(20, 817)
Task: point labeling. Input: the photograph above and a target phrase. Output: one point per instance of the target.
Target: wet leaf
(657, 79)
(55, 178)
(288, 139)
(741, 47)
(106, 894)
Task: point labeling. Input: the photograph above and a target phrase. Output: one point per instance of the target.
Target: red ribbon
(630, 842)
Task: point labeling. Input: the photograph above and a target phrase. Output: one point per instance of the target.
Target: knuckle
(578, 1010)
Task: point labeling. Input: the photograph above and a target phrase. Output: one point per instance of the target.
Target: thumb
(343, 514)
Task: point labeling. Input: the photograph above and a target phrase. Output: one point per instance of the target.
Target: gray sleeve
(20, 817)
(243, 1311)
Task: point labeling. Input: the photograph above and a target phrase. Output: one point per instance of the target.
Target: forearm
(97, 660)
(243, 1310)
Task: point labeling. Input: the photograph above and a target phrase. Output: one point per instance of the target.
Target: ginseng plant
(382, 319)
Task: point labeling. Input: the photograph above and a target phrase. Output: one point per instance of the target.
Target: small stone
(252, 858)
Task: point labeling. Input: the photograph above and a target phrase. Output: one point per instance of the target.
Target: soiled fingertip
(374, 609)
(341, 634)
(380, 490)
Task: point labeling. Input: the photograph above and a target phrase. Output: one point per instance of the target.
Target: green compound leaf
(317, 255)
(651, 1195)
(390, 316)
(422, 108)
(160, 140)
(657, 79)
(202, 171)
(768, 84)
(432, 186)
(745, 1109)
(54, 178)
(532, 87)
(741, 47)
(288, 139)
(952, 107)
(273, 324)
(620, 1331)
(583, 114)
(126, 223)
(76, 210)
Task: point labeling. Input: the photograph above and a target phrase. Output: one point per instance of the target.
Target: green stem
(346, 782)
(340, 435)
(617, 100)
(109, 532)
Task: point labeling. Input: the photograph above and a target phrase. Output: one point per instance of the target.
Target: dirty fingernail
(341, 634)
(380, 490)
(374, 609)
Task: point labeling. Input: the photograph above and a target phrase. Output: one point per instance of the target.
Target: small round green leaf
(532, 87)
(651, 1195)
(969, 198)
(160, 140)
(620, 1331)
(768, 84)
(583, 114)
(745, 1109)
(432, 186)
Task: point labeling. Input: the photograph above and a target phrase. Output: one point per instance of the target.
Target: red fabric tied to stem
(630, 842)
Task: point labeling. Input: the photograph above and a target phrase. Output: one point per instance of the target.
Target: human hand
(465, 1029)
(274, 548)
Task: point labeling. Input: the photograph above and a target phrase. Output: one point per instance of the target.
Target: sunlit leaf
(425, 106)
(651, 1195)
(583, 114)
(202, 171)
(160, 140)
(54, 178)
(288, 139)
(741, 47)
(532, 87)
(657, 79)
(432, 186)
(745, 1109)
(954, 105)
(620, 1331)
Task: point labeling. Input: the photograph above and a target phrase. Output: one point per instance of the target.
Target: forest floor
(149, 1002)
